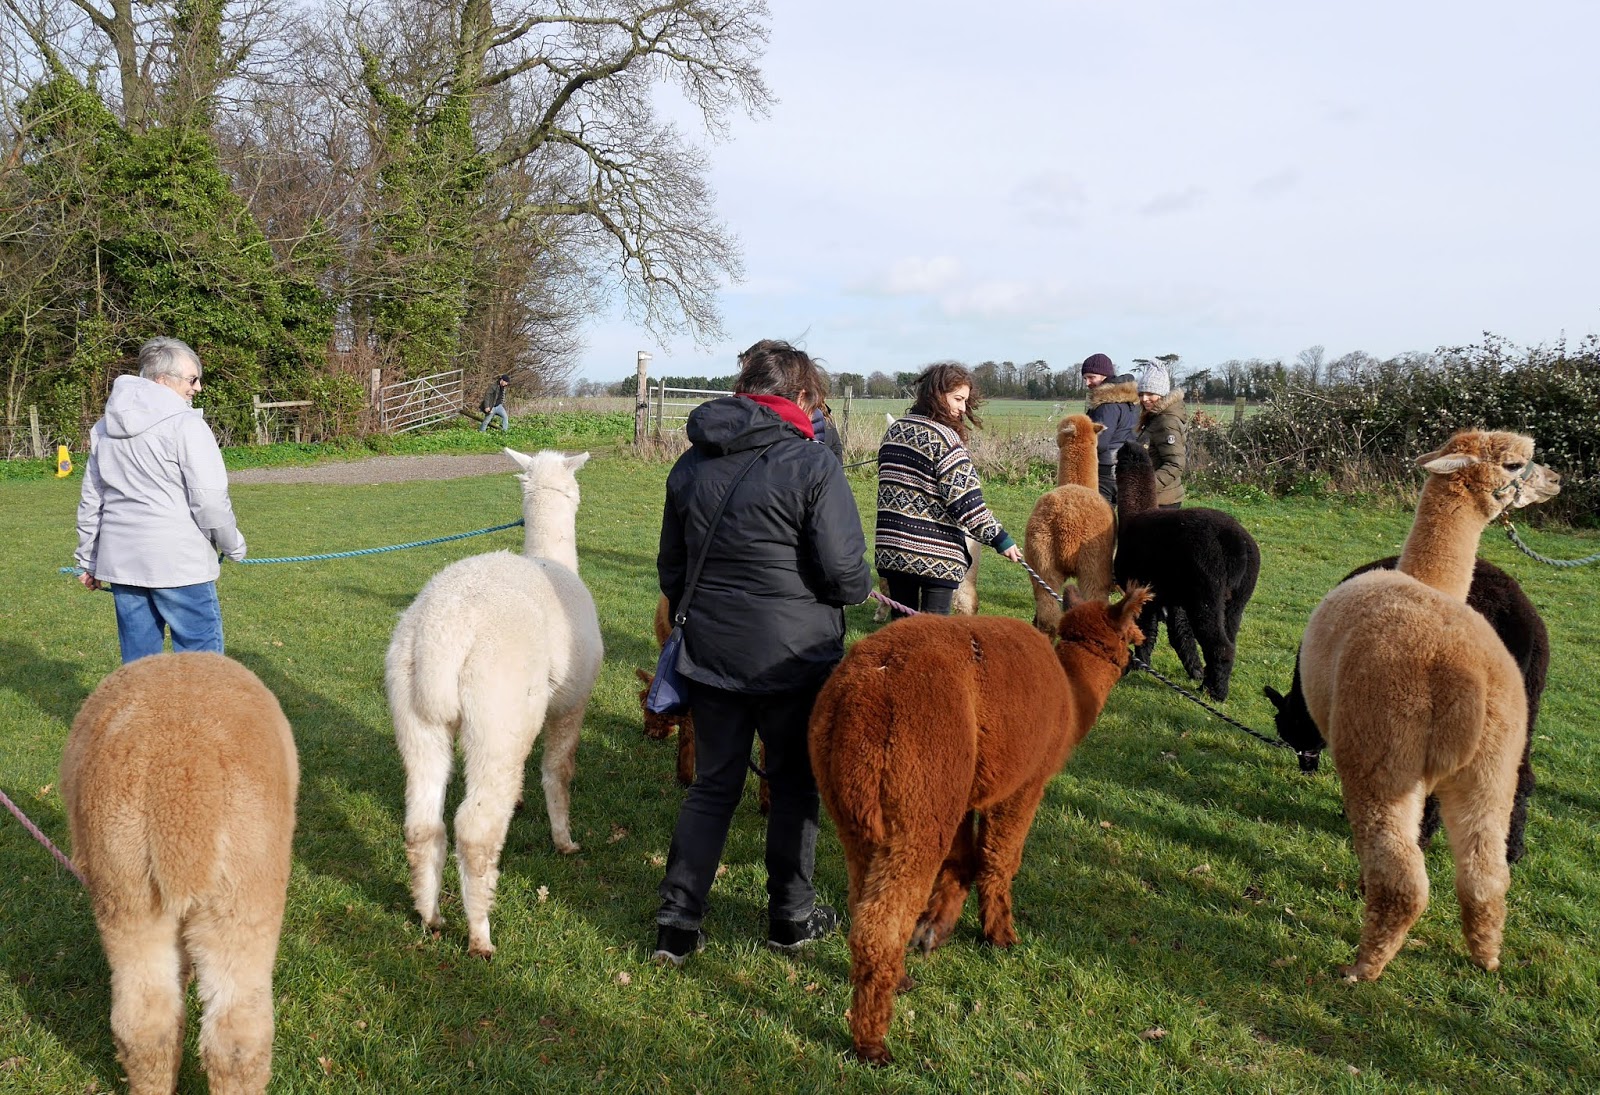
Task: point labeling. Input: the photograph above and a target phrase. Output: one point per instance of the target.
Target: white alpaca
(495, 648)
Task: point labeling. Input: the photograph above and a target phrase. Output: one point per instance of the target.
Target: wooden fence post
(33, 424)
(1238, 410)
(844, 426)
(641, 403)
(255, 412)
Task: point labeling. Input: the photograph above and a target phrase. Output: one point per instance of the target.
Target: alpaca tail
(1460, 707)
(847, 771)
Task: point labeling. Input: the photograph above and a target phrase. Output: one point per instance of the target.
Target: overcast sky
(1053, 178)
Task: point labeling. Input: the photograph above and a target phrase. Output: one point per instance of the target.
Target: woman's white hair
(165, 357)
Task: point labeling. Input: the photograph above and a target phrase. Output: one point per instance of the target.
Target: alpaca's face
(1497, 465)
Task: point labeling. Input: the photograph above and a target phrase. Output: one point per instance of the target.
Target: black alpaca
(1500, 600)
(1200, 563)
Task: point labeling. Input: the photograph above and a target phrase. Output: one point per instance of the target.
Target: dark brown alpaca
(932, 744)
(660, 727)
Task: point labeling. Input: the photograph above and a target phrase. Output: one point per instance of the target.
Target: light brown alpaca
(1072, 532)
(932, 743)
(179, 778)
(660, 727)
(1416, 695)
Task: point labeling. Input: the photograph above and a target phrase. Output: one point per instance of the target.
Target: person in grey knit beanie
(1155, 380)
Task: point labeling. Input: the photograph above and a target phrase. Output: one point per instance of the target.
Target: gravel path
(381, 469)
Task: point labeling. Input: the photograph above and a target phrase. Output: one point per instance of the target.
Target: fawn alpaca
(179, 778)
(496, 649)
(932, 744)
(1071, 532)
(1415, 694)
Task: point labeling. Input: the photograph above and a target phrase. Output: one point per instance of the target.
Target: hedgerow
(1366, 434)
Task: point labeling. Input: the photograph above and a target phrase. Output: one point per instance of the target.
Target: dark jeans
(1108, 483)
(725, 726)
(915, 592)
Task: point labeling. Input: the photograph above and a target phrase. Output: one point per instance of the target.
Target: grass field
(1183, 905)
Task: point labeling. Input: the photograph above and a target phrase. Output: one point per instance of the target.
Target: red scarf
(786, 409)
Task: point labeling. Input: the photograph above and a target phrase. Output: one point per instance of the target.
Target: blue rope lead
(361, 551)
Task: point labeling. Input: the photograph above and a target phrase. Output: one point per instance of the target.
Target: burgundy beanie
(1099, 363)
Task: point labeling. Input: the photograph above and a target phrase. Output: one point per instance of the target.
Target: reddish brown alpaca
(659, 727)
(932, 743)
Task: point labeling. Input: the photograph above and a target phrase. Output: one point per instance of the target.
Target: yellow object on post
(63, 462)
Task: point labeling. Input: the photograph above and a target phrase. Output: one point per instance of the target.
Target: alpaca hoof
(877, 1054)
(568, 847)
(1004, 937)
(484, 951)
(1489, 962)
(906, 984)
(1360, 971)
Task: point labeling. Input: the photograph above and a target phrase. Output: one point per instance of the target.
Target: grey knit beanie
(1155, 379)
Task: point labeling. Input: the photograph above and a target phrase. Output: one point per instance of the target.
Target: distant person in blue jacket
(1114, 404)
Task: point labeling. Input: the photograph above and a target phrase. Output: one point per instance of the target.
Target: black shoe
(791, 935)
(675, 945)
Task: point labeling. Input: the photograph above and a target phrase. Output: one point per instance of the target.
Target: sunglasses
(192, 381)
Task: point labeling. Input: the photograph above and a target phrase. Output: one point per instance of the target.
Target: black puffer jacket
(786, 556)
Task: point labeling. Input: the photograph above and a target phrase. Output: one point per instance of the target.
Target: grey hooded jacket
(154, 510)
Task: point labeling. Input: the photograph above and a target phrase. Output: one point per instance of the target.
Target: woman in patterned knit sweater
(929, 495)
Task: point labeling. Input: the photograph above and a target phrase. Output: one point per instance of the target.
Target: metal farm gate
(668, 408)
(412, 404)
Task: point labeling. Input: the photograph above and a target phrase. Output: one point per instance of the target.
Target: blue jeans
(505, 419)
(725, 726)
(191, 613)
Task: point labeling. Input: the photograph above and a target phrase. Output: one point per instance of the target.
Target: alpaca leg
(1515, 844)
(763, 785)
(146, 998)
(1211, 631)
(426, 752)
(494, 766)
(1476, 818)
(1431, 820)
(891, 896)
(1004, 831)
(1392, 873)
(1150, 626)
(949, 889)
(560, 760)
(1181, 637)
(233, 955)
(1041, 554)
(686, 749)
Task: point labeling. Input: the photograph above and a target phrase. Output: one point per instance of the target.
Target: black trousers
(915, 592)
(725, 727)
(1108, 483)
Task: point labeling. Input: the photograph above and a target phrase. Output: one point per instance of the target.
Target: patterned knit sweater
(928, 494)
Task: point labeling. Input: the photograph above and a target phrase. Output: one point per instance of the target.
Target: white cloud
(916, 276)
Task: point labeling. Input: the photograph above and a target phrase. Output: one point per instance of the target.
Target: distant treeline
(1253, 378)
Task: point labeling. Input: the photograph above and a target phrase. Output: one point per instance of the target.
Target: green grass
(1180, 875)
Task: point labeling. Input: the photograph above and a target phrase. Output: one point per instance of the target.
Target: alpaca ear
(524, 461)
(1099, 427)
(1126, 612)
(575, 462)
(1443, 463)
(646, 677)
(1070, 598)
(1274, 695)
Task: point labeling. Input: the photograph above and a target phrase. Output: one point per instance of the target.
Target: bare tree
(1311, 365)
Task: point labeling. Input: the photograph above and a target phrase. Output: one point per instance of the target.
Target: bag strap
(694, 572)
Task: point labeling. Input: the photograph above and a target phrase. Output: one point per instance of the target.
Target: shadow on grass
(341, 761)
(51, 684)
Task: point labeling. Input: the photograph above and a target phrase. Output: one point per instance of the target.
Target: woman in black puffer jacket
(764, 628)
